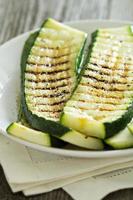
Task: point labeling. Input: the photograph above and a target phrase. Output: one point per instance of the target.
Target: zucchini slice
(28, 134)
(122, 140)
(49, 66)
(102, 104)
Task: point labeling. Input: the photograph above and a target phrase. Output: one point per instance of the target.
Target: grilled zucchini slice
(102, 104)
(49, 72)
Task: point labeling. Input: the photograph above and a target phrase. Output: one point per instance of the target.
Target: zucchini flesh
(102, 104)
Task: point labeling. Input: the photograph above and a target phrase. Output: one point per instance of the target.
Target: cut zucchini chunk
(49, 65)
(80, 140)
(28, 134)
(121, 140)
(130, 127)
(102, 104)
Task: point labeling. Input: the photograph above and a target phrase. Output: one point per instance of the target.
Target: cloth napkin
(98, 187)
(36, 172)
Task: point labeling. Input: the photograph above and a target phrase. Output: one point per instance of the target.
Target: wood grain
(18, 16)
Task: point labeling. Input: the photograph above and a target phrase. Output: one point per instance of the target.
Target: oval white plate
(10, 54)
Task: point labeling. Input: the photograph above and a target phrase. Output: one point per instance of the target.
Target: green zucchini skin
(106, 129)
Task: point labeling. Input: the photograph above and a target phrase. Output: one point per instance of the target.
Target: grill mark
(52, 57)
(50, 96)
(50, 81)
(49, 92)
(43, 68)
(100, 100)
(52, 104)
(120, 80)
(49, 85)
(66, 76)
(51, 65)
(49, 73)
(107, 86)
(49, 111)
(48, 88)
(107, 71)
(52, 115)
(95, 91)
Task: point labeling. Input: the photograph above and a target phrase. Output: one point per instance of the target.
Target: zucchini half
(102, 104)
(49, 74)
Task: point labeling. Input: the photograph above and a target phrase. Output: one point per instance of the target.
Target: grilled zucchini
(49, 73)
(102, 104)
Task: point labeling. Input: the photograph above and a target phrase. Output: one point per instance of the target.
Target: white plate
(10, 54)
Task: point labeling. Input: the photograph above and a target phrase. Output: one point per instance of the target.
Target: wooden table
(18, 16)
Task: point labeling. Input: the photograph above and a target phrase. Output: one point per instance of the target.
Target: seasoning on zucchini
(102, 104)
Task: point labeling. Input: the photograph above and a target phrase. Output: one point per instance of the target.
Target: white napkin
(36, 172)
(41, 188)
(98, 187)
